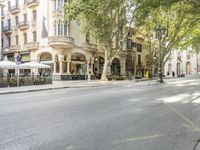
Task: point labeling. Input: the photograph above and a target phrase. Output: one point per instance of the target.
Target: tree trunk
(105, 68)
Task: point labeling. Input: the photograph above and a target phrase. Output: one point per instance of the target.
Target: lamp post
(160, 34)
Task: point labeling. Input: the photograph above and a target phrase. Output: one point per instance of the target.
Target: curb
(48, 89)
(65, 87)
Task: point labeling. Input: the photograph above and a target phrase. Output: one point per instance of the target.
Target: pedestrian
(173, 74)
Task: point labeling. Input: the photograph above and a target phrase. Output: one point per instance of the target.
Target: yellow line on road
(190, 122)
(137, 139)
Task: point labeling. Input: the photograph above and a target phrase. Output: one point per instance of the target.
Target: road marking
(190, 122)
(138, 138)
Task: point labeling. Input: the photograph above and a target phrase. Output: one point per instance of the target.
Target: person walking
(173, 74)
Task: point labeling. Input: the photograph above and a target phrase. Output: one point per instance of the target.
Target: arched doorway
(78, 65)
(115, 67)
(46, 58)
(188, 68)
(170, 69)
(178, 69)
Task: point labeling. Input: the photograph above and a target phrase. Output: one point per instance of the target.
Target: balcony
(7, 30)
(32, 46)
(90, 47)
(23, 25)
(15, 48)
(61, 42)
(14, 9)
(32, 3)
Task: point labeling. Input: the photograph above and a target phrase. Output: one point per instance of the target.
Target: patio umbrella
(6, 64)
(31, 65)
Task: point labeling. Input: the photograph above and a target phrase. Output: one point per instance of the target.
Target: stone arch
(188, 68)
(46, 58)
(115, 67)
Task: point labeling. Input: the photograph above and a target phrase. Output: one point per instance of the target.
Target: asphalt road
(132, 116)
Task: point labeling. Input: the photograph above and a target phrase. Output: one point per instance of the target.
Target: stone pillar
(92, 69)
(61, 66)
(68, 68)
(54, 67)
(123, 69)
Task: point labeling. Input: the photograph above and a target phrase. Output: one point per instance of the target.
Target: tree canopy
(109, 21)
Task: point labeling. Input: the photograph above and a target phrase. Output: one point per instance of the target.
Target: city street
(131, 116)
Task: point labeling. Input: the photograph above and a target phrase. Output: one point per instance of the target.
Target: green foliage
(100, 18)
(176, 16)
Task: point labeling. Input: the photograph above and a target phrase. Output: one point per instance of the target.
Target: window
(34, 36)
(34, 15)
(129, 43)
(17, 39)
(55, 29)
(60, 28)
(134, 44)
(65, 29)
(8, 4)
(16, 2)
(25, 18)
(58, 4)
(9, 24)
(139, 47)
(16, 20)
(25, 38)
(139, 60)
(9, 41)
(2, 10)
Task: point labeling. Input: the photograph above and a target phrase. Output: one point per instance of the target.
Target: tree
(106, 21)
(178, 18)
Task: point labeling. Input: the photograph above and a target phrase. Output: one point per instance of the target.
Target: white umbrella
(6, 64)
(30, 65)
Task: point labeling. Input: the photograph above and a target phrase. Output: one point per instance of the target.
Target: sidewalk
(63, 84)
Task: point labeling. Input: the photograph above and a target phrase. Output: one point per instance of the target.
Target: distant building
(183, 62)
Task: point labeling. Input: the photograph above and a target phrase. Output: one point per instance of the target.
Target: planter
(48, 81)
(38, 81)
(3, 84)
(138, 77)
(28, 82)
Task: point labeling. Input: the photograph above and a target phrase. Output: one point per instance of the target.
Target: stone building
(183, 62)
(36, 31)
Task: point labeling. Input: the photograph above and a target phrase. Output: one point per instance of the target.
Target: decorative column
(61, 60)
(68, 65)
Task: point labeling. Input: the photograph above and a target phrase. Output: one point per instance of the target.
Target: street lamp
(160, 34)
